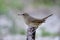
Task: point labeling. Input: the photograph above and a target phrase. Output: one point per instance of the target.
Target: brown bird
(33, 22)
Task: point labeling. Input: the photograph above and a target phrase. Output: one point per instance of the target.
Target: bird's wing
(32, 19)
(37, 21)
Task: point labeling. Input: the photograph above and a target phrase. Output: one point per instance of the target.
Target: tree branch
(31, 31)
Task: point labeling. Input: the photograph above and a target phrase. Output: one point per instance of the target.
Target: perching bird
(33, 22)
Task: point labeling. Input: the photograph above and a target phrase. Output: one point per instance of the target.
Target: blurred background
(13, 27)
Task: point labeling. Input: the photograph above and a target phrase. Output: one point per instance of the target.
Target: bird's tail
(47, 16)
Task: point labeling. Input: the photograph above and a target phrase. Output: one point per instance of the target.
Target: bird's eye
(22, 14)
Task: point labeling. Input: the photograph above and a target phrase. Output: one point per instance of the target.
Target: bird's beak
(19, 14)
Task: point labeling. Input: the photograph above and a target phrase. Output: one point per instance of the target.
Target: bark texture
(31, 33)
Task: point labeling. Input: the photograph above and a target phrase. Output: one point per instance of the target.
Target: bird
(33, 22)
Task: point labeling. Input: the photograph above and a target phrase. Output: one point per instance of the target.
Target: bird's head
(24, 14)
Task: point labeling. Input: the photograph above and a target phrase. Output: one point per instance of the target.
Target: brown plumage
(33, 21)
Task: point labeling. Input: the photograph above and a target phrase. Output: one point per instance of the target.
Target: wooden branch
(31, 31)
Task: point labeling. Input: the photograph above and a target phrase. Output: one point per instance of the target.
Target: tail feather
(47, 16)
